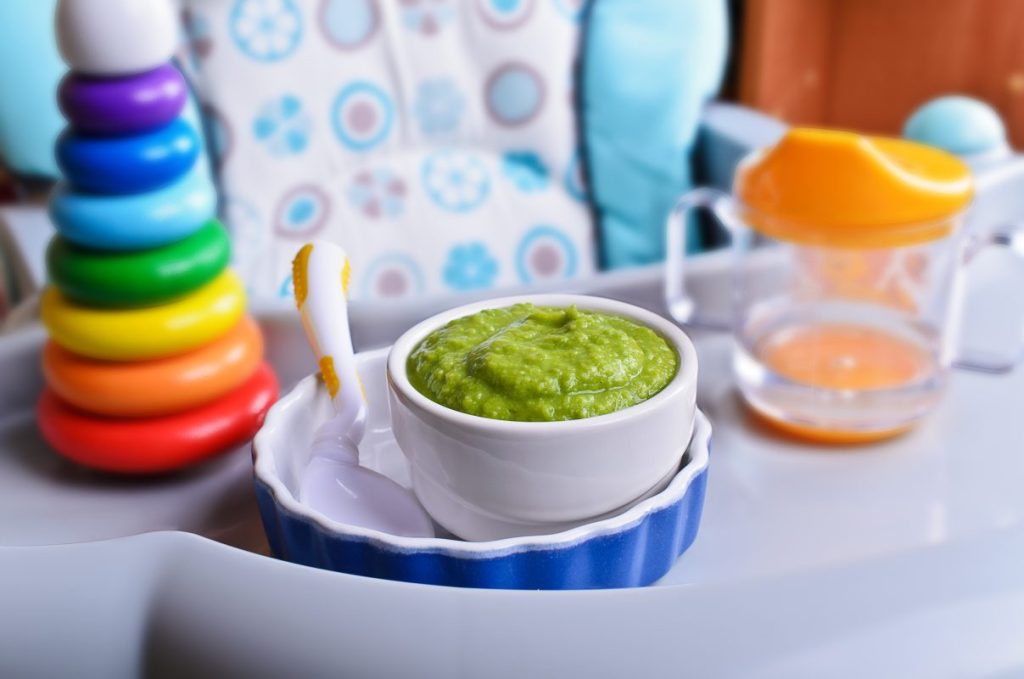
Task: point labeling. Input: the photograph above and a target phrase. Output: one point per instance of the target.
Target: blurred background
(866, 64)
(859, 64)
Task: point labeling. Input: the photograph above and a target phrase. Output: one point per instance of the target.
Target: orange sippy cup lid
(834, 188)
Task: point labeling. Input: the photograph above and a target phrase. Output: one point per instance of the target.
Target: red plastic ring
(158, 444)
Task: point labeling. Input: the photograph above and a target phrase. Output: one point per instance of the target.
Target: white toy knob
(116, 37)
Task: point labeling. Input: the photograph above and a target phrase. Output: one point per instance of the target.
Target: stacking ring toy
(128, 164)
(137, 221)
(146, 277)
(123, 105)
(159, 387)
(157, 444)
(150, 332)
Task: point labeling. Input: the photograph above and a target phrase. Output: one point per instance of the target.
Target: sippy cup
(850, 252)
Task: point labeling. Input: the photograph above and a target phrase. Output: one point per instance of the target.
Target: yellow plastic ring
(152, 332)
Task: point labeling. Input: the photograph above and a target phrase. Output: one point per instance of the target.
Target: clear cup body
(848, 341)
(842, 333)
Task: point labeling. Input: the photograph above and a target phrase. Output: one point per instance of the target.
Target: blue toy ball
(957, 124)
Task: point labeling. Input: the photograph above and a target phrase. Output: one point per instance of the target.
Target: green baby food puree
(541, 364)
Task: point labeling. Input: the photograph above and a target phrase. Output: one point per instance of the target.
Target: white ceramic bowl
(486, 479)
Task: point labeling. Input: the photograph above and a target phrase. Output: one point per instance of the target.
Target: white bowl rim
(264, 470)
(685, 377)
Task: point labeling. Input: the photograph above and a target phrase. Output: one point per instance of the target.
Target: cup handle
(1012, 239)
(681, 306)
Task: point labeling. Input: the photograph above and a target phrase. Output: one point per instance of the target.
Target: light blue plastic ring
(138, 221)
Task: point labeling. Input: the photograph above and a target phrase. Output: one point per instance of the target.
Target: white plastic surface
(901, 559)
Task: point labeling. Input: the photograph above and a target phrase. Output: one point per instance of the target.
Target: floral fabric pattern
(456, 180)
(392, 275)
(363, 115)
(302, 211)
(349, 24)
(266, 30)
(526, 170)
(426, 16)
(283, 126)
(439, 106)
(544, 254)
(378, 193)
(434, 139)
(470, 267)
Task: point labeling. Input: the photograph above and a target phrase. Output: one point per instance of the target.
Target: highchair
(451, 146)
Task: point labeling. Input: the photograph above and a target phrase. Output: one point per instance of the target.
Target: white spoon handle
(333, 482)
(320, 273)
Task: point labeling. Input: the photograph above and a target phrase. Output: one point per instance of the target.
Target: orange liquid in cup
(843, 357)
(836, 356)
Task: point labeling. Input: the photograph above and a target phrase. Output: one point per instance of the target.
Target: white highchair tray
(901, 558)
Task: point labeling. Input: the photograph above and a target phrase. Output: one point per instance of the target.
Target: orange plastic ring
(156, 387)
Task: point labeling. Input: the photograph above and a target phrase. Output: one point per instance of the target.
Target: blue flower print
(526, 170)
(426, 16)
(283, 126)
(439, 106)
(470, 267)
(377, 193)
(455, 180)
(266, 30)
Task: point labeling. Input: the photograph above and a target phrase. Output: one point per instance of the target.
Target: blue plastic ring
(137, 221)
(132, 164)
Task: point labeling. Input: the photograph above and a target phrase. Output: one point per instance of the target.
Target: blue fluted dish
(632, 548)
(128, 164)
(137, 221)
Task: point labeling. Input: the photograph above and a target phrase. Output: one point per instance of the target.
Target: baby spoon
(333, 483)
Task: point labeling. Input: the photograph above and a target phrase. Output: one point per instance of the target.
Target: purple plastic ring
(123, 105)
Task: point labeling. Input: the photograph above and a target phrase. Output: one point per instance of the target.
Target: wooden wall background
(866, 64)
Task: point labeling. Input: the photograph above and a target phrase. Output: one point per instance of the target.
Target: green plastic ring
(141, 278)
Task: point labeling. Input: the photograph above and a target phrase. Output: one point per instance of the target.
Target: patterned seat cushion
(434, 139)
